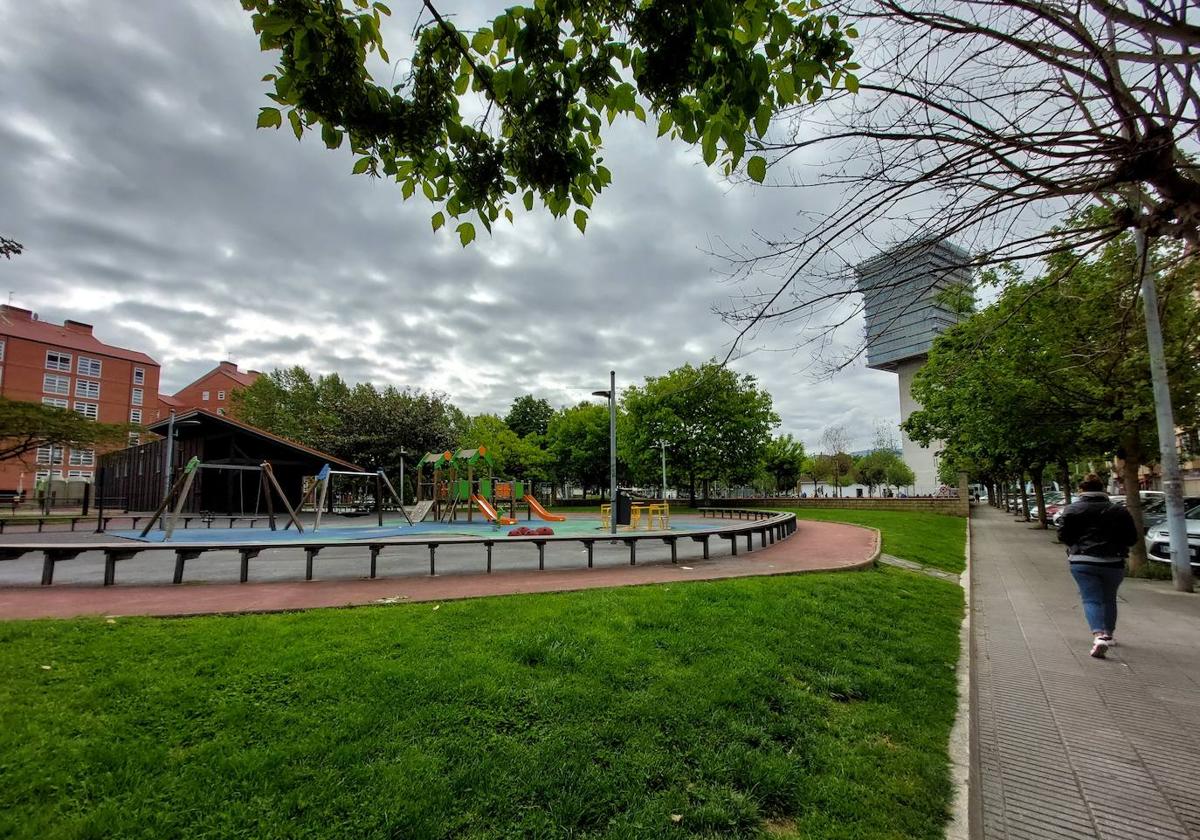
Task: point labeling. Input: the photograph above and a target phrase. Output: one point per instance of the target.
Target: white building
(905, 292)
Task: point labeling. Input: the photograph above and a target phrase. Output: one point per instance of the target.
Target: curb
(963, 732)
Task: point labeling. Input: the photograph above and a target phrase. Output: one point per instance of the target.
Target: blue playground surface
(390, 531)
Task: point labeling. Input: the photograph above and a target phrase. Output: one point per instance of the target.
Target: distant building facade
(213, 391)
(66, 366)
(911, 295)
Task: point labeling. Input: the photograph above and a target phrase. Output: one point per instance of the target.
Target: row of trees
(715, 423)
(1056, 371)
(712, 424)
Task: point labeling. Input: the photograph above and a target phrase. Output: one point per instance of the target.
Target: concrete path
(1066, 746)
(815, 546)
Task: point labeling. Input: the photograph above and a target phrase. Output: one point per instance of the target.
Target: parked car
(1052, 497)
(1154, 512)
(1158, 544)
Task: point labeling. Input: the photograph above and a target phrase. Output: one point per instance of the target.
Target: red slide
(541, 512)
(489, 512)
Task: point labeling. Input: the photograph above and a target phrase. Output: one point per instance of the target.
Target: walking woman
(1098, 534)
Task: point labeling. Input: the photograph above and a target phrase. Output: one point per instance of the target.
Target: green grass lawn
(932, 539)
(814, 706)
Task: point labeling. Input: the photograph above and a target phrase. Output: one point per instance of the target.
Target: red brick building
(64, 365)
(212, 391)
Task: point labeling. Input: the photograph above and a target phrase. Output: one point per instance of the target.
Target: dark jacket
(1093, 526)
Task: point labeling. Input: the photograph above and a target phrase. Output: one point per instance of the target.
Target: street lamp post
(664, 470)
(170, 453)
(611, 393)
(402, 454)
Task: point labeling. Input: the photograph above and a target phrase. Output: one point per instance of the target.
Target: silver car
(1158, 541)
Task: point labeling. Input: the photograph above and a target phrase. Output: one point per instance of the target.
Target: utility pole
(1181, 570)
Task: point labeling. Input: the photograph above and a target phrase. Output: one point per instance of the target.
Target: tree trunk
(1065, 474)
(691, 490)
(1133, 499)
(1040, 495)
(1023, 513)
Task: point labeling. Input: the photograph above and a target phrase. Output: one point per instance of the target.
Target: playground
(458, 494)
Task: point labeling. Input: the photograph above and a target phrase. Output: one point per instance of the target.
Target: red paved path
(814, 547)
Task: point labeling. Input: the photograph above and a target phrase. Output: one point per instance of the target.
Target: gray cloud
(151, 206)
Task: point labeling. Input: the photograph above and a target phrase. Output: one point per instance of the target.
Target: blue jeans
(1098, 589)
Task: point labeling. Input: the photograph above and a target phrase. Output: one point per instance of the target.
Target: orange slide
(541, 512)
(489, 512)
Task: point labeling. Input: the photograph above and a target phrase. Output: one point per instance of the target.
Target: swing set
(183, 486)
(322, 488)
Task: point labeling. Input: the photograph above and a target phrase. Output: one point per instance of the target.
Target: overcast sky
(149, 205)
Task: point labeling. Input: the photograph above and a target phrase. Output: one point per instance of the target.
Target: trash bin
(624, 508)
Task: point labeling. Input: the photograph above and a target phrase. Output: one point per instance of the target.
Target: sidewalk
(1066, 746)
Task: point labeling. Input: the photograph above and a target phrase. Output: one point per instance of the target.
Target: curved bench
(769, 526)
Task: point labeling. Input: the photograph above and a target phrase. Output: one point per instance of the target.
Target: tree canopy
(1057, 368)
(26, 427)
(716, 423)
(529, 416)
(518, 105)
(362, 424)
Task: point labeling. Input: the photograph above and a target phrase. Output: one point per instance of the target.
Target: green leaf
(331, 136)
(528, 200)
(852, 83)
(297, 125)
(482, 42)
(762, 120)
(664, 123)
(466, 233)
(570, 49)
(581, 220)
(439, 219)
(269, 118)
(785, 84)
(383, 9)
(756, 168)
(362, 165)
(462, 83)
(408, 188)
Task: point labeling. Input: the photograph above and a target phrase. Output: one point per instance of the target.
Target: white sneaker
(1099, 647)
(1111, 641)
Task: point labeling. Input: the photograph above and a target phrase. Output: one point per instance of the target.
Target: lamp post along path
(611, 393)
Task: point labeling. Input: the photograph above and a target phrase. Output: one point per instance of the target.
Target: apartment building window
(204, 396)
(55, 402)
(55, 384)
(135, 416)
(79, 475)
(89, 410)
(88, 367)
(139, 376)
(221, 412)
(134, 439)
(82, 457)
(220, 395)
(50, 455)
(42, 475)
(1, 351)
(137, 396)
(58, 361)
(87, 389)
